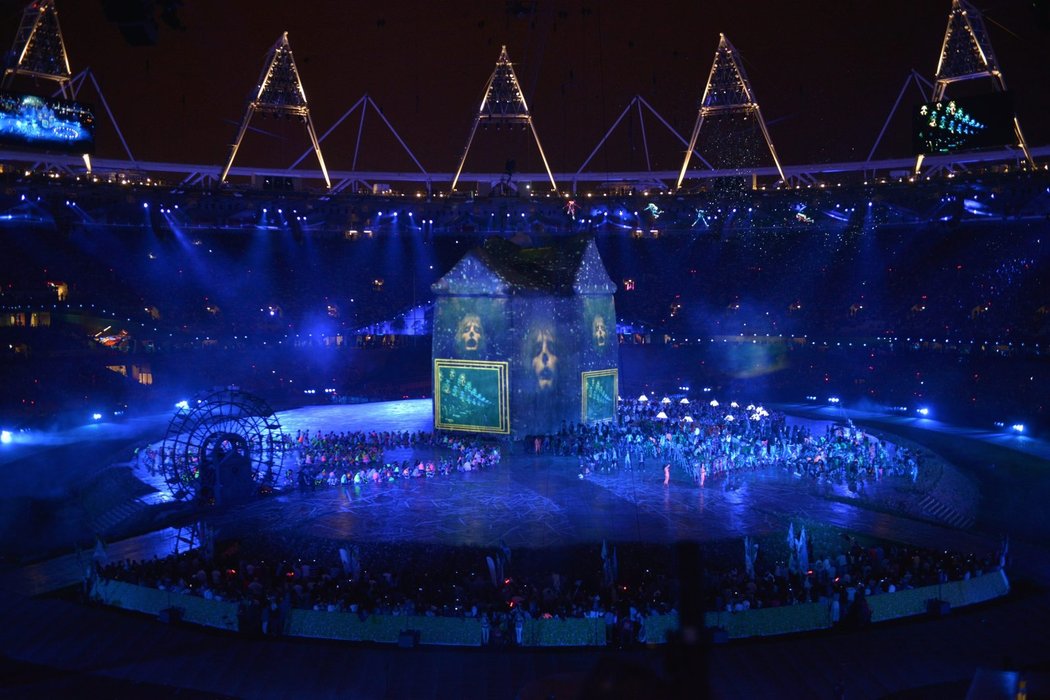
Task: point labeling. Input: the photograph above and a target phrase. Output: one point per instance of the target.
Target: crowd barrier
(809, 617)
(573, 632)
(770, 621)
(457, 631)
(454, 631)
(956, 594)
(152, 601)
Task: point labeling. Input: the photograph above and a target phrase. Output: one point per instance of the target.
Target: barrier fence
(457, 631)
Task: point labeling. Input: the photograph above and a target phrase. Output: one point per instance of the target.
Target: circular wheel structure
(220, 446)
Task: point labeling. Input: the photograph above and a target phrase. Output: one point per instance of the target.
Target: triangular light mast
(966, 54)
(39, 50)
(503, 103)
(279, 92)
(728, 91)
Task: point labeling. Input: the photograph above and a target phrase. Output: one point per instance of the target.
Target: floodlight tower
(279, 93)
(728, 91)
(966, 54)
(503, 103)
(39, 50)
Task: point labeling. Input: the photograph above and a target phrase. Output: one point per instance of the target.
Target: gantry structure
(279, 93)
(503, 104)
(39, 53)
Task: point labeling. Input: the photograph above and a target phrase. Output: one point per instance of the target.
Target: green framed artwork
(471, 395)
(599, 391)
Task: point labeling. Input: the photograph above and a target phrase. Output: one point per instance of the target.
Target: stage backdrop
(546, 319)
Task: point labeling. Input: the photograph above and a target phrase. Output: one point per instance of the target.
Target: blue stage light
(923, 411)
(6, 437)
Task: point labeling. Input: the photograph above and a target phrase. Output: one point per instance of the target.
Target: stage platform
(541, 502)
(526, 501)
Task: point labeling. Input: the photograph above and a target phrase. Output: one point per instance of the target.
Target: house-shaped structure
(525, 339)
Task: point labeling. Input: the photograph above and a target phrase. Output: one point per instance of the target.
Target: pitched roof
(573, 266)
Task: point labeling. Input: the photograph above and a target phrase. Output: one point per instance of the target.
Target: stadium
(568, 397)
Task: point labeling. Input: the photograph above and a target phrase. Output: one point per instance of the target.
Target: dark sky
(826, 73)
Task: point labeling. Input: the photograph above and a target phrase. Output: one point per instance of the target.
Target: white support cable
(918, 80)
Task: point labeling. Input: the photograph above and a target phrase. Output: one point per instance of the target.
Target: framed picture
(599, 391)
(472, 396)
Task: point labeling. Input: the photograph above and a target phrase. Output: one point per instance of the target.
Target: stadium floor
(52, 644)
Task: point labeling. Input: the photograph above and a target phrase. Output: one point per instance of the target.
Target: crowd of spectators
(952, 269)
(949, 258)
(424, 580)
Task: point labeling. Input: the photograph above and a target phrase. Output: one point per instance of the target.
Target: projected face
(542, 347)
(599, 331)
(469, 333)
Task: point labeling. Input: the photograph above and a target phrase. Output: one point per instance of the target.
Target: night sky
(826, 74)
